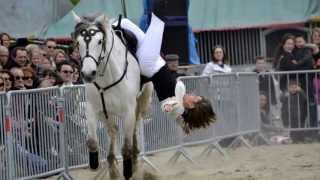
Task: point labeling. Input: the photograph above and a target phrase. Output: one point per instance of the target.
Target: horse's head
(90, 36)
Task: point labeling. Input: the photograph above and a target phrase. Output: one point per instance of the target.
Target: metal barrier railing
(35, 132)
(4, 167)
(292, 99)
(45, 140)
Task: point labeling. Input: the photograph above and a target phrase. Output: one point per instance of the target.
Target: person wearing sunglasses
(18, 75)
(29, 77)
(50, 48)
(65, 70)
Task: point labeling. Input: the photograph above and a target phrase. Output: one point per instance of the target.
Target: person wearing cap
(172, 61)
(190, 111)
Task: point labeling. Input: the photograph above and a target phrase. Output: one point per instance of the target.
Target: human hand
(313, 47)
(168, 108)
(186, 130)
(294, 62)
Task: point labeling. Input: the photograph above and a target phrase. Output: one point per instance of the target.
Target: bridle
(87, 36)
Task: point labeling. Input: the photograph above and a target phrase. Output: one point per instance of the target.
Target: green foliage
(74, 2)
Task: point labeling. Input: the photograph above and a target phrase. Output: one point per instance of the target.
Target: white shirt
(213, 68)
(176, 102)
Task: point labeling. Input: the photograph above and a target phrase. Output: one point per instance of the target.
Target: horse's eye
(92, 32)
(100, 42)
(83, 32)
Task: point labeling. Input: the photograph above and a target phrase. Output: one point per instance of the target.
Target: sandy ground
(280, 162)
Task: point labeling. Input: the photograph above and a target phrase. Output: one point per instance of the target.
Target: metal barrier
(4, 167)
(296, 95)
(155, 128)
(75, 125)
(49, 130)
(35, 132)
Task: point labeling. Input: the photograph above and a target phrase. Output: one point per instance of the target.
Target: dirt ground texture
(276, 162)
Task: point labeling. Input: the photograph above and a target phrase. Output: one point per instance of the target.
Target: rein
(103, 89)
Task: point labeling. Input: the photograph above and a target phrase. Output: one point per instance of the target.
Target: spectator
(266, 82)
(293, 55)
(8, 79)
(60, 56)
(266, 119)
(172, 61)
(65, 71)
(303, 54)
(4, 57)
(306, 62)
(75, 56)
(76, 75)
(29, 78)
(50, 46)
(2, 86)
(18, 83)
(49, 78)
(19, 57)
(316, 83)
(284, 58)
(36, 58)
(294, 110)
(31, 47)
(46, 64)
(217, 65)
(315, 44)
(5, 40)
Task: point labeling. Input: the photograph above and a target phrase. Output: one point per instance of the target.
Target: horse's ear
(101, 19)
(76, 17)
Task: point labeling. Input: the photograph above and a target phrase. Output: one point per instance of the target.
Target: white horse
(112, 77)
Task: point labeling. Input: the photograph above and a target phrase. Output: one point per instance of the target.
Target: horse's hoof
(93, 160)
(127, 168)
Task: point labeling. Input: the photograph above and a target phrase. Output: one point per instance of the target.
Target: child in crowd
(294, 110)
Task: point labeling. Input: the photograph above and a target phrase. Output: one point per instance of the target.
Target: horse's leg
(127, 150)
(92, 140)
(135, 149)
(143, 103)
(112, 161)
(144, 100)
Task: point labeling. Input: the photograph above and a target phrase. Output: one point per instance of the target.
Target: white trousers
(149, 45)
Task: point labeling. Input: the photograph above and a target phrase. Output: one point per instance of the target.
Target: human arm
(305, 61)
(174, 105)
(207, 70)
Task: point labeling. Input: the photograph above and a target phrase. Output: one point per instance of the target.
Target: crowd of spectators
(297, 100)
(25, 65)
(41, 65)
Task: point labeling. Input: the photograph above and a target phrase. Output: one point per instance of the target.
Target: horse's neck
(116, 63)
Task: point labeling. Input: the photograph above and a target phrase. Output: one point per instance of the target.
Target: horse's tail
(144, 100)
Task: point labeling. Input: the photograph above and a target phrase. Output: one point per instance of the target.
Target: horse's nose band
(87, 35)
